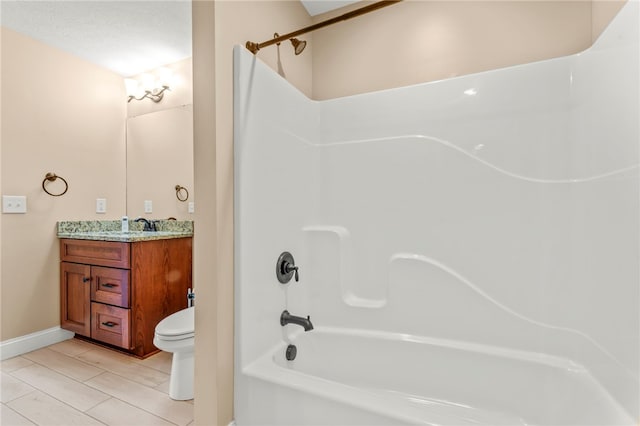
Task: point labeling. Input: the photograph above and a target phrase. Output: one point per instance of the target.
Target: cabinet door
(75, 293)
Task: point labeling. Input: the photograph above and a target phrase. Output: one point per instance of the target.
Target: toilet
(175, 334)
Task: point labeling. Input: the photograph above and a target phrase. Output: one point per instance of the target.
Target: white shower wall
(498, 208)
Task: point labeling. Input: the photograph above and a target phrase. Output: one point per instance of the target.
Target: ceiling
(316, 7)
(127, 37)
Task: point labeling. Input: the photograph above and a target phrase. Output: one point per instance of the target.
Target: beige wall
(64, 115)
(602, 12)
(419, 41)
(208, 406)
(217, 28)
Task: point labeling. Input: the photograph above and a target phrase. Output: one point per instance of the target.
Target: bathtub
(347, 376)
(467, 248)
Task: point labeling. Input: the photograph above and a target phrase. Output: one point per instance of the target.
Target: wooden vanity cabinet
(117, 292)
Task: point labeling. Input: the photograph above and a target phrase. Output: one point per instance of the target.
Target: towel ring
(179, 190)
(51, 177)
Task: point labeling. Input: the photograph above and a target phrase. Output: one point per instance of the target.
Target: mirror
(159, 157)
(159, 143)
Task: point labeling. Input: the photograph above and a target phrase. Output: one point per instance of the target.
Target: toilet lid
(177, 325)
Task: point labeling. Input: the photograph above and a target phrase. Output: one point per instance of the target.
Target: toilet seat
(177, 326)
(174, 338)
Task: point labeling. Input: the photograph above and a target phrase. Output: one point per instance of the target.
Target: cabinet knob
(86, 279)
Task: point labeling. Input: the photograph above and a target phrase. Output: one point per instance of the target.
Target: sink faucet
(287, 318)
(148, 226)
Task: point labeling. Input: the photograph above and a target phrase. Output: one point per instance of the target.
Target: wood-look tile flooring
(79, 383)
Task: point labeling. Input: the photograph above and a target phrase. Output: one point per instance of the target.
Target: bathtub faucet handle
(288, 267)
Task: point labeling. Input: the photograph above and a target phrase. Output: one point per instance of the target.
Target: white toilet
(175, 334)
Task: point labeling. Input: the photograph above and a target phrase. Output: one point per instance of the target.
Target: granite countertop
(110, 230)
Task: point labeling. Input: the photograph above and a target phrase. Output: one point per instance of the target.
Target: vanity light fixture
(149, 86)
(155, 94)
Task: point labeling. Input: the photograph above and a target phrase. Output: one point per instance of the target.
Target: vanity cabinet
(117, 292)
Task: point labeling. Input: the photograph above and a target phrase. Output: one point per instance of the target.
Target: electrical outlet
(101, 205)
(14, 204)
(192, 207)
(148, 206)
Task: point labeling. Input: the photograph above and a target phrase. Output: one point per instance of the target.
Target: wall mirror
(159, 158)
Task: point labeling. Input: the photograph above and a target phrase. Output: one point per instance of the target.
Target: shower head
(298, 45)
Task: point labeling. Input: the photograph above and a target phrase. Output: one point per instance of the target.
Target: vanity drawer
(111, 325)
(103, 253)
(110, 286)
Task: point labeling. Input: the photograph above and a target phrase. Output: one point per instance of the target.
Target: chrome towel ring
(51, 177)
(179, 195)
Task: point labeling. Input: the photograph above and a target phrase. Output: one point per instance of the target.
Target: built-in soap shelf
(333, 245)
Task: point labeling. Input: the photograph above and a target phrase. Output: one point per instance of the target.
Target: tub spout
(287, 318)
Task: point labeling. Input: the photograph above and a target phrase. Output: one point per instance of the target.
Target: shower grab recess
(286, 268)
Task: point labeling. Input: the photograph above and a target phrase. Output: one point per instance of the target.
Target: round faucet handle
(286, 268)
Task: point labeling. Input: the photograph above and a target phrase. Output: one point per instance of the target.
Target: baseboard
(31, 342)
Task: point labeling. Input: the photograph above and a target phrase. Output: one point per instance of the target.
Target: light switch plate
(148, 206)
(191, 207)
(101, 205)
(14, 204)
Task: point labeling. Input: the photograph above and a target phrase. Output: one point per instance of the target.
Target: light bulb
(131, 86)
(164, 76)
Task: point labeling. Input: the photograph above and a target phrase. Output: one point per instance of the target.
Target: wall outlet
(148, 206)
(14, 204)
(101, 205)
(192, 207)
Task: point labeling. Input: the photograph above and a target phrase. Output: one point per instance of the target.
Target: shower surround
(468, 249)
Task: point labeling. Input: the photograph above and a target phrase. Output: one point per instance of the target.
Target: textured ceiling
(127, 37)
(316, 7)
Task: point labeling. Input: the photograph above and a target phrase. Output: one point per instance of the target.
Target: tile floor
(77, 383)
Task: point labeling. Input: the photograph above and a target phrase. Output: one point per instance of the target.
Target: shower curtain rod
(254, 47)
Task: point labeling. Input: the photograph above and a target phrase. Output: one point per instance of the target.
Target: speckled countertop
(110, 230)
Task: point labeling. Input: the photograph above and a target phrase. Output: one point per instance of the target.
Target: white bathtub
(361, 377)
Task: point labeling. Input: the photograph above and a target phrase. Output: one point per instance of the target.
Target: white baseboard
(31, 342)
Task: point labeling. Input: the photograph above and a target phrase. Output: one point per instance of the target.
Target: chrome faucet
(148, 225)
(287, 318)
